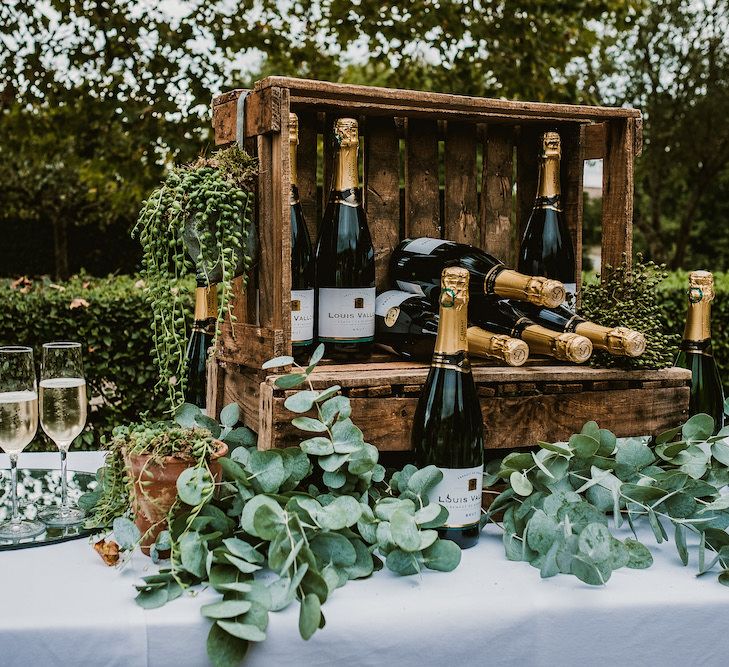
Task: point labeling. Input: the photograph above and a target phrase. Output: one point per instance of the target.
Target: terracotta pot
(160, 488)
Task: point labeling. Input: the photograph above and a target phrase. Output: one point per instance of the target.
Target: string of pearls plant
(198, 220)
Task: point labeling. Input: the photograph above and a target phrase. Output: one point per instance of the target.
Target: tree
(677, 64)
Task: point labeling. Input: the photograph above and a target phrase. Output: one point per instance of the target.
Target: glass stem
(15, 520)
(64, 492)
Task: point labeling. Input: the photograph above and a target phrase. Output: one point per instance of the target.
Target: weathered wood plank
(498, 237)
(594, 141)
(617, 192)
(329, 154)
(215, 384)
(461, 193)
(243, 386)
(249, 344)
(382, 191)
(572, 176)
(422, 206)
(527, 173)
(306, 160)
(224, 121)
(509, 421)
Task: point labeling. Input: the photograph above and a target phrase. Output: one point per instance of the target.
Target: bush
(111, 319)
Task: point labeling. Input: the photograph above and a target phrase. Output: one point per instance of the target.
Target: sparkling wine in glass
(63, 416)
(18, 424)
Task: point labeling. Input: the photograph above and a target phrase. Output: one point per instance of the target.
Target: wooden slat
(594, 141)
(329, 153)
(518, 421)
(224, 120)
(617, 192)
(215, 382)
(382, 191)
(243, 386)
(422, 207)
(377, 96)
(571, 176)
(407, 373)
(461, 193)
(306, 159)
(498, 237)
(249, 344)
(527, 173)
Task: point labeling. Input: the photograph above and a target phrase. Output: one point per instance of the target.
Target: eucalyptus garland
(628, 296)
(198, 219)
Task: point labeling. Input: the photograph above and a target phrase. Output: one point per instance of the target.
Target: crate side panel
(499, 237)
(306, 165)
(422, 207)
(572, 177)
(461, 194)
(382, 191)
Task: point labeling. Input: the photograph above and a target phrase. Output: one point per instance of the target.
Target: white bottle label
(424, 245)
(390, 299)
(302, 315)
(460, 493)
(410, 287)
(346, 314)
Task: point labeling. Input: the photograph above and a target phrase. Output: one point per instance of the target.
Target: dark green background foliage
(114, 329)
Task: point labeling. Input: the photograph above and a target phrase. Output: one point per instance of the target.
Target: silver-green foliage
(562, 499)
(317, 515)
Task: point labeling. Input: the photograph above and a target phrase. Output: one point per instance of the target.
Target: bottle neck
(293, 168)
(549, 191)
(346, 172)
(698, 323)
(451, 343)
(206, 305)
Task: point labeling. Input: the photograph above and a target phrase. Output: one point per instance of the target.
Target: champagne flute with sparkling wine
(62, 415)
(18, 424)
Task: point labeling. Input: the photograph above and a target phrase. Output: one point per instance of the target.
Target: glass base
(21, 530)
(61, 516)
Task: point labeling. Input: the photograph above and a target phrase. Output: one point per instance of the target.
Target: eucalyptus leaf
(274, 518)
(337, 407)
(268, 469)
(334, 480)
(225, 608)
(404, 531)
(520, 483)
(698, 427)
(243, 631)
(278, 362)
(186, 415)
(595, 542)
(126, 532)
(301, 401)
(317, 355)
(230, 415)
(640, 556)
(720, 451)
(402, 562)
(225, 650)
(152, 599)
(443, 556)
(194, 484)
(584, 446)
(309, 615)
(290, 381)
(319, 446)
(595, 574)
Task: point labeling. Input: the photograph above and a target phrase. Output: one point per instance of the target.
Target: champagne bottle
(345, 258)
(417, 265)
(302, 262)
(407, 325)
(618, 341)
(501, 316)
(203, 332)
(546, 248)
(448, 426)
(695, 353)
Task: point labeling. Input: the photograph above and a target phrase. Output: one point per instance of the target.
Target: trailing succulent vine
(628, 297)
(318, 515)
(555, 512)
(199, 220)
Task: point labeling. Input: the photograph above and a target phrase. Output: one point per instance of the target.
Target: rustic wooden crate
(433, 165)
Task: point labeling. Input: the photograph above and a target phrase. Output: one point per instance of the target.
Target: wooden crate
(433, 165)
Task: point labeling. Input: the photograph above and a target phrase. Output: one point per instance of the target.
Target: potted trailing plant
(199, 221)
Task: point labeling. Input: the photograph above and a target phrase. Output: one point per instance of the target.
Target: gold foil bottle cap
(545, 292)
(293, 128)
(572, 347)
(346, 132)
(701, 286)
(513, 351)
(551, 145)
(454, 287)
(625, 342)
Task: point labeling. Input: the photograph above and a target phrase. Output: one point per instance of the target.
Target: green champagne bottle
(695, 354)
(448, 426)
(203, 333)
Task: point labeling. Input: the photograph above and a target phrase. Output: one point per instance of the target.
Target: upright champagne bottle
(407, 325)
(302, 262)
(618, 341)
(417, 264)
(502, 316)
(448, 426)
(546, 248)
(695, 354)
(345, 258)
(203, 333)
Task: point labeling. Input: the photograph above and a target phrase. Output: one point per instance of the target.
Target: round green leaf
(267, 469)
(225, 608)
(334, 480)
(405, 531)
(290, 381)
(699, 427)
(230, 415)
(194, 484)
(278, 362)
(402, 562)
(520, 483)
(269, 522)
(319, 446)
(301, 401)
(126, 532)
(443, 555)
(640, 557)
(584, 446)
(309, 615)
(243, 631)
(595, 542)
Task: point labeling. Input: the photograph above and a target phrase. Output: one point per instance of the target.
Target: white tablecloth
(60, 605)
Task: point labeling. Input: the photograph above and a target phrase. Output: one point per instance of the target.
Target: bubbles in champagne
(18, 420)
(63, 408)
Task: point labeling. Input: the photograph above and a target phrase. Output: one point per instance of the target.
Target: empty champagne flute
(62, 416)
(18, 424)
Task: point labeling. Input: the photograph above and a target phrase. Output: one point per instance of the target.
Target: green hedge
(111, 319)
(114, 329)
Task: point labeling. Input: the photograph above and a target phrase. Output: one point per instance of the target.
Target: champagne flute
(18, 424)
(63, 416)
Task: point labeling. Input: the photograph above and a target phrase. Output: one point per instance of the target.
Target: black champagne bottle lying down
(448, 427)
(345, 258)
